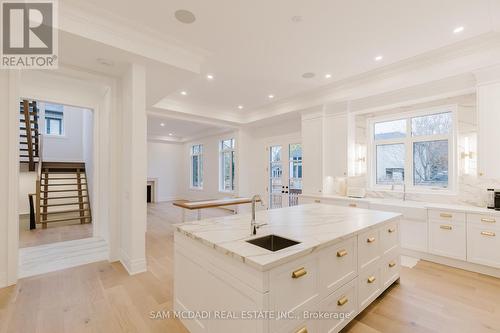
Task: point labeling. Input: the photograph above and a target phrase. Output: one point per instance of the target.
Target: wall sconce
(360, 159)
(469, 156)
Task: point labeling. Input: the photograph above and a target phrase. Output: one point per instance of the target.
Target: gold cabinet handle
(446, 227)
(392, 264)
(302, 330)
(446, 215)
(353, 205)
(341, 253)
(342, 301)
(317, 201)
(299, 273)
(391, 230)
(370, 240)
(488, 220)
(371, 279)
(488, 233)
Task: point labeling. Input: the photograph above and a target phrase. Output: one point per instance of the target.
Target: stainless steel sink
(273, 242)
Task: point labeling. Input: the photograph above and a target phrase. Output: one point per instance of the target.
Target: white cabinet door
(483, 245)
(414, 234)
(343, 301)
(447, 239)
(312, 145)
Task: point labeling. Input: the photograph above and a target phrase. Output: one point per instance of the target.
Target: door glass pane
(434, 124)
(295, 169)
(195, 171)
(390, 164)
(390, 129)
(275, 177)
(430, 163)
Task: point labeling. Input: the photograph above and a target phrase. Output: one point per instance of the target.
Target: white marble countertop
(410, 204)
(316, 226)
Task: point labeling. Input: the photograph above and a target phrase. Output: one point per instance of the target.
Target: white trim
(133, 266)
(408, 142)
(233, 165)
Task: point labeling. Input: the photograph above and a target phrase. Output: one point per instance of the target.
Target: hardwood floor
(55, 232)
(101, 297)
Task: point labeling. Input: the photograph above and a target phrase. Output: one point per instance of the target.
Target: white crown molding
(79, 18)
(488, 75)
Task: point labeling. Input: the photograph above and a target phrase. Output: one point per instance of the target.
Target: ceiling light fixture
(378, 58)
(184, 16)
(296, 19)
(170, 134)
(184, 93)
(240, 107)
(308, 75)
(458, 30)
(210, 76)
(270, 96)
(162, 124)
(327, 76)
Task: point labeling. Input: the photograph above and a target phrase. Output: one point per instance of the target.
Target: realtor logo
(29, 34)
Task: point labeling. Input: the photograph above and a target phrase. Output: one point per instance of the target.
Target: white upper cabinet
(312, 154)
(488, 104)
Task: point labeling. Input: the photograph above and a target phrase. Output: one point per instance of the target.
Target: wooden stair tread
(65, 197)
(67, 204)
(65, 184)
(67, 219)
(66, 211)
(50, 191)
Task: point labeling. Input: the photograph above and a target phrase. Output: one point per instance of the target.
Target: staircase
(28, 134)
(63, 194)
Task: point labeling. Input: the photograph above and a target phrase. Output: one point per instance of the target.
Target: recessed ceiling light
(270, 96)
(170, 134)
(184, 93)
(378, 58)
(327, 76)
(185, 16)
(240, 107)
(105, 62)
(210, 76)
(308, 75)
(296, 19)
(162, 124)
(458, 30)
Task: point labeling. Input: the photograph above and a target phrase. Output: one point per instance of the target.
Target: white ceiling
(257, 49)
(179, 129)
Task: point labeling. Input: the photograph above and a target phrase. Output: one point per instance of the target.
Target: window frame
(200, 167)
(409, 141)
(232, 171)
(62, 123)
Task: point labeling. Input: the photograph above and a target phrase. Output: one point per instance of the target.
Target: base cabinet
(447, 239)
(483, 245)
(414, 234)
(343, 304)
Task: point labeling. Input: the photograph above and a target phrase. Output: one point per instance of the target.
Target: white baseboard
(468, 266)
(135, 266)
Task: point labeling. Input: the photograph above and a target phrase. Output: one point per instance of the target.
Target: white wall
(165, 164)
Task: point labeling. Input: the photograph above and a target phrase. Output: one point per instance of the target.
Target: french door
(285, 174)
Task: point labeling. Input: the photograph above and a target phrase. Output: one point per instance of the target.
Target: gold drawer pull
(488, 220)
(488, 233)
(299, 273)
(446, 227)
(317, 201)
(342, 301)
(370, 240)
(371, 279)
(302, 330)
(446, 215)
(392, 264)
(341, 253)
(391, 230)
(353, 205)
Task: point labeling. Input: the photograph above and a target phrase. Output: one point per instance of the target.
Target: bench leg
(199, 214)
(183, 215)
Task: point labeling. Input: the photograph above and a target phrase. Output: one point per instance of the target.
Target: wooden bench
(212, 203)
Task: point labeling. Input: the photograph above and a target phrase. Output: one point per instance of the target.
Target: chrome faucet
(254, 225)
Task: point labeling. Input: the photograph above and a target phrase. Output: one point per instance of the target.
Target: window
(416, 150)
(54, 119)
(295, 161)
(227, 160)
(197, 166)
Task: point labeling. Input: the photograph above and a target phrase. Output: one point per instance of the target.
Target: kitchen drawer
(338, 264)
(447, 239)
(389, 236)
(488, 221)
(344, 303)
(446, 216)
(368, 248)
(368, 285)
(483, 245)
(294, 287)
(353, 203)
(307, 200)
(308, 326)
(391, 264)
(414, 234)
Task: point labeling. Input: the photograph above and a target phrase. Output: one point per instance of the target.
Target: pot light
(162, 124)
(170, 134)
(184, 16)
(458, 30)
(308, 75)
(240, 107)
(210, 77)
(270, 96)
(184, 93)
(327, 76)
(378, 58)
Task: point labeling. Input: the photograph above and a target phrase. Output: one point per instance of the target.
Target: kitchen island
(333, 263)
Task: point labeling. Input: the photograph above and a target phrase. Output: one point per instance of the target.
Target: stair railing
(39, 179)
